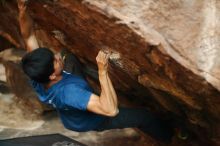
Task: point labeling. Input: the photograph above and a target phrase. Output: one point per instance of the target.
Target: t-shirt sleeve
(75, 97)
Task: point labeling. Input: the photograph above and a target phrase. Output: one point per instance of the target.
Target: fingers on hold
(108, 55)
(22, 4)
(103, 55)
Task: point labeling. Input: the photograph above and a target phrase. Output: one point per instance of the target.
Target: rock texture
(25, 98)
(164, 52)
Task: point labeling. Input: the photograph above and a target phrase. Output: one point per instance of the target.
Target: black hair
(39, 64)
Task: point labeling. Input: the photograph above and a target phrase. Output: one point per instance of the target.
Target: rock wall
(25, 97)
(165, 53)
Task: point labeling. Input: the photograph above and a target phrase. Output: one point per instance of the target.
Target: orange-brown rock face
(165, 53)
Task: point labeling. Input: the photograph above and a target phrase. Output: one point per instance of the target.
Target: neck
(52, 82)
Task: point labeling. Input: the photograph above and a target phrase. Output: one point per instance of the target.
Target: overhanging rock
(167, 50)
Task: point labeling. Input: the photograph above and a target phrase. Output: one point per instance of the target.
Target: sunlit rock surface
(165, 52)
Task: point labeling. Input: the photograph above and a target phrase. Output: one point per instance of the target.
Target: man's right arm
(26, 27)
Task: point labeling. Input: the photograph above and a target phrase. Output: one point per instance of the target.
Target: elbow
(113, 113)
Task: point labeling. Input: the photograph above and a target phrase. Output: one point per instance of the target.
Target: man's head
(41, 65)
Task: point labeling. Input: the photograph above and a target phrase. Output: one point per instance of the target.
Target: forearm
(26, 25)
(108, 97)
(114, 95)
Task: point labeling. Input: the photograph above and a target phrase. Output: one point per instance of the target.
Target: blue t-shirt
(70, 97)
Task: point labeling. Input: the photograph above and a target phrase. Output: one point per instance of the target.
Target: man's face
(58, 64)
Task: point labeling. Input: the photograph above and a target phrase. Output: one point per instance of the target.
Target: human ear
(52, 76)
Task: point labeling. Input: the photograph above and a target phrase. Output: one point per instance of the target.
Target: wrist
(102, 72)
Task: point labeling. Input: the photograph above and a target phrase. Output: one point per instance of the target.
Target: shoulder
(76, 91)
(69, 88)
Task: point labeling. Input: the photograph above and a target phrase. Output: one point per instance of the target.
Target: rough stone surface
(25, 97)
(165, 53)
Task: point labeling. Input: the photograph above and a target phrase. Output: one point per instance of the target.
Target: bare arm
(106, 103)
(26, 27)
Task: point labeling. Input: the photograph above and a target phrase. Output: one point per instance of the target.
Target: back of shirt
(70, 97)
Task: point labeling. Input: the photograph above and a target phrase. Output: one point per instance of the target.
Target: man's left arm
(107, 103)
